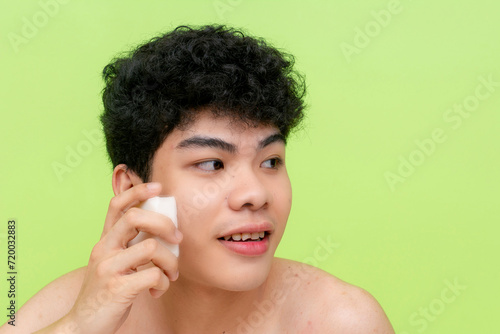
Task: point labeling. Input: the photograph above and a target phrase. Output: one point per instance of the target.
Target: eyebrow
(275, 137)
(214, 142)
(200, 141)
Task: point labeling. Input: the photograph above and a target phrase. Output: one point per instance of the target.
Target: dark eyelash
(214, 161)
(279, 162)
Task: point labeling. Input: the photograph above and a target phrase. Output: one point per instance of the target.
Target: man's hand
(112, 281)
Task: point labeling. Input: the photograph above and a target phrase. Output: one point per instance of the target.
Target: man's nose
(248, 190)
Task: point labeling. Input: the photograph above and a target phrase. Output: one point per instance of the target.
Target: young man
(201, 115)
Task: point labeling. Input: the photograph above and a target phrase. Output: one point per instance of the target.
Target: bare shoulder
(318, 302)
(49, 304)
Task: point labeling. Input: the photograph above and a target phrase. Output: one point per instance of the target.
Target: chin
(245, 279)
(243, 273)
(230, 274)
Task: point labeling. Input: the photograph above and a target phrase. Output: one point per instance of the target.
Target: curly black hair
(162, 84)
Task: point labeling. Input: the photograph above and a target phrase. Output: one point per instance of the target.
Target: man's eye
(210, 165)
(272, 163)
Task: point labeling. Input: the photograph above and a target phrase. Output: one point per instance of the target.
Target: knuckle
(116, 285)
(156, 274)
(101, 269)
(132, 214)
(113, 204)
(150, 245)
(95, 254)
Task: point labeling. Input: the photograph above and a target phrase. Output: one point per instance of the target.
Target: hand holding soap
(165, 206)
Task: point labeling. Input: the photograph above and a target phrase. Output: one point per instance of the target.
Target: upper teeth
(245, 236)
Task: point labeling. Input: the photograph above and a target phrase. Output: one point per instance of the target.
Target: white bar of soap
(166, 206)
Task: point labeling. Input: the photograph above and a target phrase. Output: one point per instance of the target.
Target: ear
(124, 179)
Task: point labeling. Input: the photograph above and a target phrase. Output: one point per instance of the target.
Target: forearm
(65, 325)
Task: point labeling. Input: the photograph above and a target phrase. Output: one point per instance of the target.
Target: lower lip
(247, 248)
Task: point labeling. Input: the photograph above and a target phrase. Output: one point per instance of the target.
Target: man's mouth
(245, 237)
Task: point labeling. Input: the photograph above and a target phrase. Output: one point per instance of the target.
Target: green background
(366, 111)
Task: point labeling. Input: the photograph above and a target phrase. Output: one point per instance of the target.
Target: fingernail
(153, 187)
(178, 235)
(176, 276)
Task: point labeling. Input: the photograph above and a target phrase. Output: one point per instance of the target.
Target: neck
(189, 307)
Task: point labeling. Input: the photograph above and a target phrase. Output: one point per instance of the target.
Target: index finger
(127, 199)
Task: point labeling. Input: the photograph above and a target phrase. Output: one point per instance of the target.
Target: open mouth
(245, 237)
(247, 243)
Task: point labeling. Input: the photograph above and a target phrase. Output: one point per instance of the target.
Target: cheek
(281, 208)
(283, 198)
(196, 205)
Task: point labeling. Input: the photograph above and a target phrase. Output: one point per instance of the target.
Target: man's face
(228, 180)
